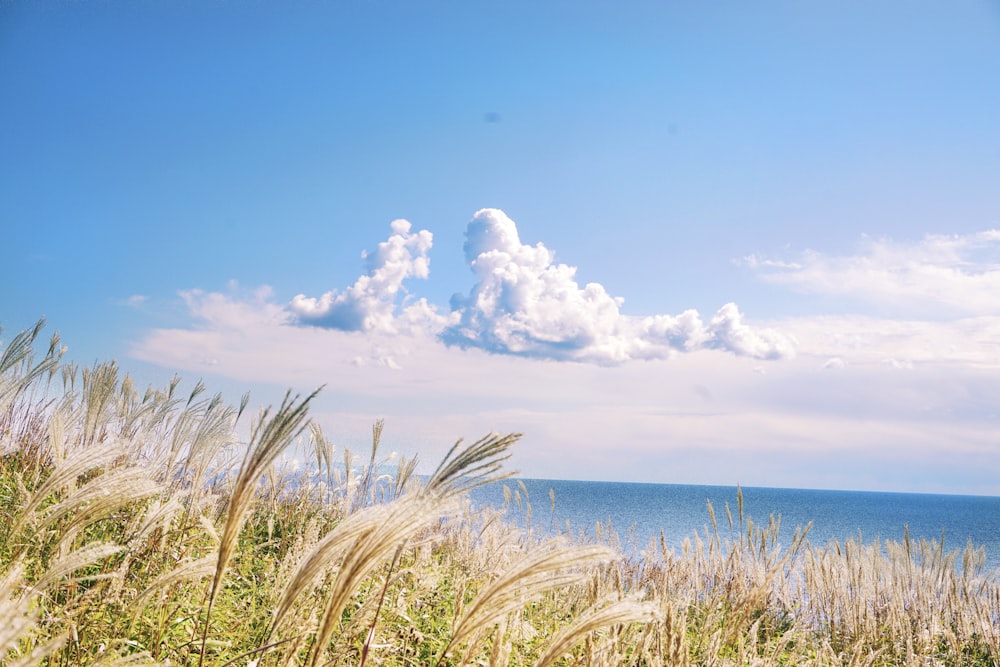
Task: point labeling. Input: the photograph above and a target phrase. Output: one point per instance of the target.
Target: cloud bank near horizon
(523, 303)
(702, 417)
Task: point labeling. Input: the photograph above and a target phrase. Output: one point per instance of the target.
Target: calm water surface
(681, 510)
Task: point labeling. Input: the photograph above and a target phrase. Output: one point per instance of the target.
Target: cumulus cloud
(523, 303)
(373, 302)
(940, 274)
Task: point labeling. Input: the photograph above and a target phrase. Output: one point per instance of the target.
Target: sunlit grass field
(136, 528)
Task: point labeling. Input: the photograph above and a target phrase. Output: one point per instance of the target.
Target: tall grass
(136, 529)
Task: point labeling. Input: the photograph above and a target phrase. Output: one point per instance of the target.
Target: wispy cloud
(940, 274)
(136, 300)
(863, 339)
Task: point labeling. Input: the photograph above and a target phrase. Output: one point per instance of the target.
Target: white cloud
(237, 311)
(372, 302)
(523, 303)
(727, 332)
(939, 275)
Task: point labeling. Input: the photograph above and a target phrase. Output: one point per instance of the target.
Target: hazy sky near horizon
(714, 243)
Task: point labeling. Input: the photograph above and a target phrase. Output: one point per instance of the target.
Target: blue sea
(643, 510)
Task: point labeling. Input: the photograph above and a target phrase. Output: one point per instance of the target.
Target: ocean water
(640, 511)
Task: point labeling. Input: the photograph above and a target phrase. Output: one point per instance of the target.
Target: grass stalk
(269, 438)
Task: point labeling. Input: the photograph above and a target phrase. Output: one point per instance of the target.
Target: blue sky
(672, 242)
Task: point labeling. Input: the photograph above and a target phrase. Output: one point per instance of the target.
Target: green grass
(135, 529)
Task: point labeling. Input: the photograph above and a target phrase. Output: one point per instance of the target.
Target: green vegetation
(135, 529)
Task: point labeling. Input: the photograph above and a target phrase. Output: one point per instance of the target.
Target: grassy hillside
(136, 529)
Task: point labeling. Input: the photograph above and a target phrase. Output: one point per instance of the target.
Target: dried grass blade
(620, 612)
(403, 519)
(539, 571)
(75, 560)
(269, 439)
(475, 465)
(183, 572)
